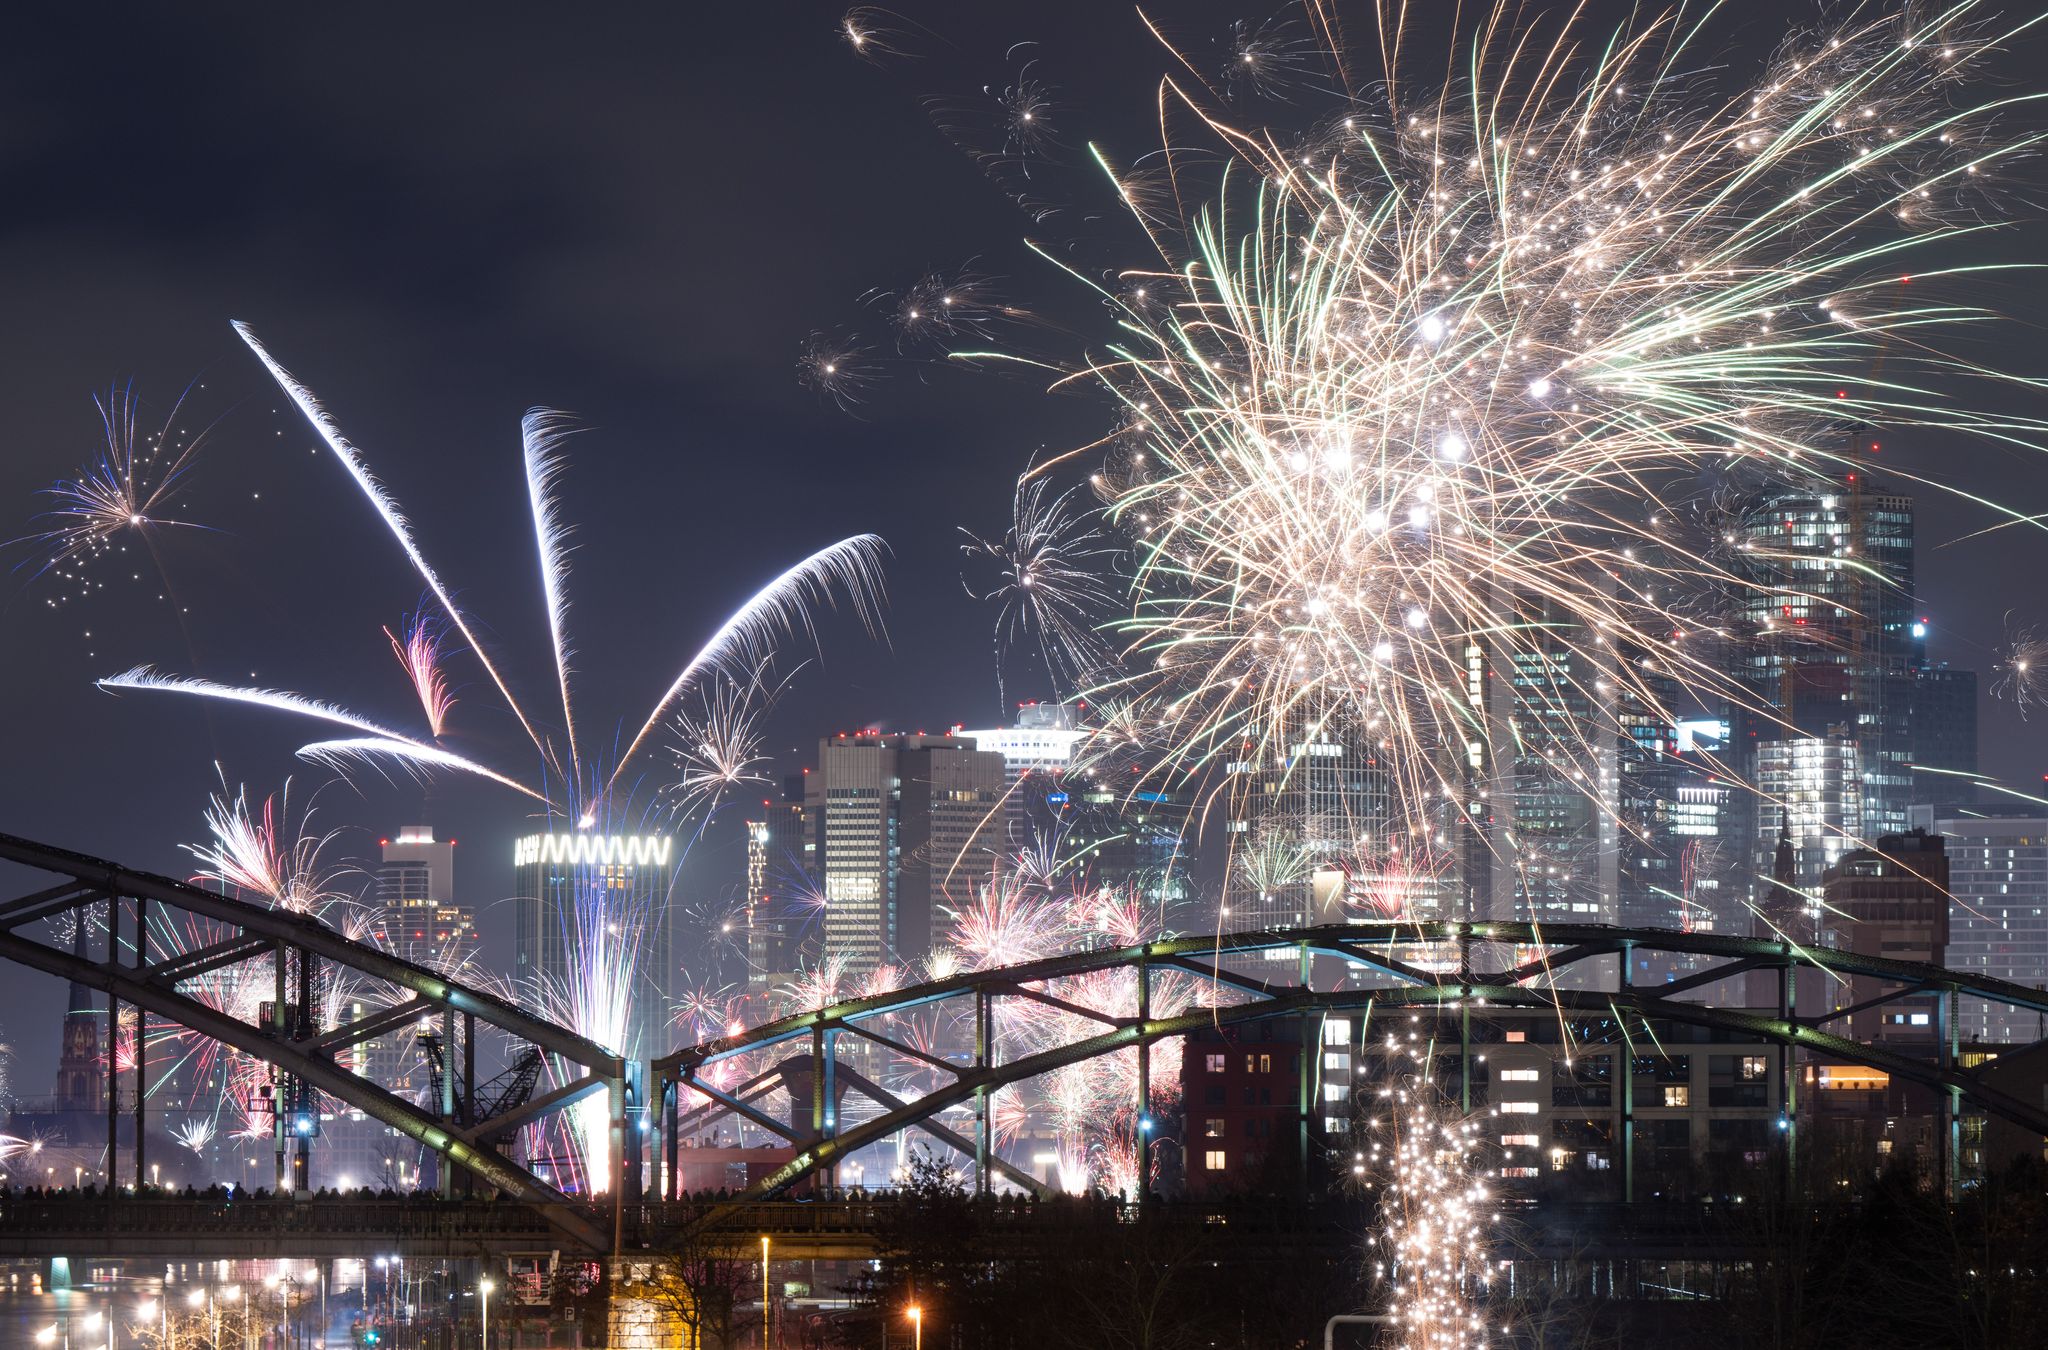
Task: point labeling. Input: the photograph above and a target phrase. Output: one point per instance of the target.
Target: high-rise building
(906, 825)
(1833, 664)
(416, 919)
(1312, 821)
(783, 934)
(587, 907)
(1997, 906)
(417, 916)
(1814, 786)
(1944, 732)
(1035, 754)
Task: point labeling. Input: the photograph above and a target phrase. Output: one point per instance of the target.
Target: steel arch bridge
(128, 972)
(1502, 964)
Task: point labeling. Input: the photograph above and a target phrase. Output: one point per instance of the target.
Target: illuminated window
(1265, 1064)
(1518, 1108)
(1754, 1067)
(1213, 1160)
(1518, 1141)
(1212, 1129)
(1517, 1037)
(1213, 1063)
(1519, 1171)
(1333, 1092)
(1336, 1031)
(1516, 1075)
(1675, 1095)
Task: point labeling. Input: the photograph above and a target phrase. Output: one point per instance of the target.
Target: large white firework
(1444, 387)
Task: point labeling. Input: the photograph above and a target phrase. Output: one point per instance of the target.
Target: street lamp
(484, 1288)
(917, 1327)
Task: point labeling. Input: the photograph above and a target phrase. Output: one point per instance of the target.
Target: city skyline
(702, 470)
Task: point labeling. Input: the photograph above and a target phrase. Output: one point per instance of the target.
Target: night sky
(438, 219)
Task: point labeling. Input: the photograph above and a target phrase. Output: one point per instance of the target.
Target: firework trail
(126, 493)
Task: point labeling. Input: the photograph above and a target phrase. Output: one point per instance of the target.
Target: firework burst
(128, 494)
(1045, 579)
(605, 932)
(835, 366)
(2022, 670)
(717, 747)
(266, 853)
(1442, 388)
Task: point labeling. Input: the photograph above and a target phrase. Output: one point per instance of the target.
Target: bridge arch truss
(1566, 969)
(128, 971)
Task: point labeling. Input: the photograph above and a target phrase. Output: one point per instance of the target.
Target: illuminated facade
(1997, 907)
(417, 917)
(1816, 783)
(1828, 671)
(581, 896)
(1035, 754)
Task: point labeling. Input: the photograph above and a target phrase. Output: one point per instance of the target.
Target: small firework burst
(1268, 59)
(1045, 577)
(717, 747)
(267, 852)
(2022, 670)
(835, 366)
(125, 497)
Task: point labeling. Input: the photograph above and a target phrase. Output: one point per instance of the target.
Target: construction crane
(493, 1098)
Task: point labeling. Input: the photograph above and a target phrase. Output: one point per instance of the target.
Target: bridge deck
(428, 1228)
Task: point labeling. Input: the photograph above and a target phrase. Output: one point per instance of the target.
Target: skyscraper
(1828, 668)
(594, 929)
(417, 916)
(418, 920)
(906, 826)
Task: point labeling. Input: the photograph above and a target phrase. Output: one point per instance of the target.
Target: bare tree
(701, 1276)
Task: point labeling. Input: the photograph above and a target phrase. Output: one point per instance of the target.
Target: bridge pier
(1144, 1083)
(982, 1095)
